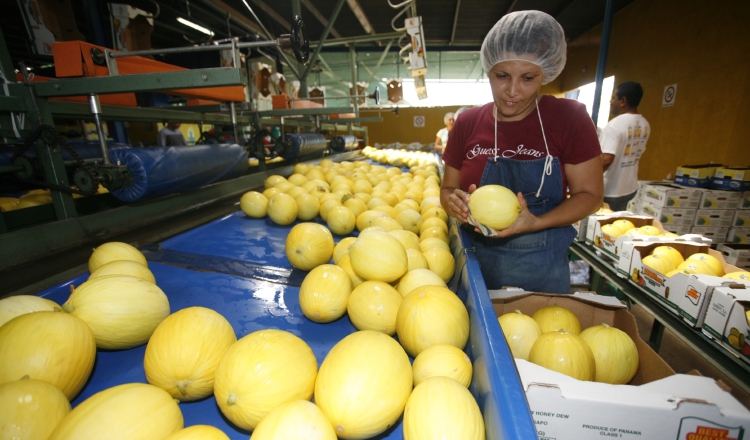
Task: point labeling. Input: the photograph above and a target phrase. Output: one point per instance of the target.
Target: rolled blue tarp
(159, 171)
(345, 143)
(304, 144)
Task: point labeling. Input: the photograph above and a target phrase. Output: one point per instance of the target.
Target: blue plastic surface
(159, 171)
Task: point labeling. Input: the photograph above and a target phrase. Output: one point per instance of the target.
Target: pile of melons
(669, 261)
(624, 226)
(552, 338)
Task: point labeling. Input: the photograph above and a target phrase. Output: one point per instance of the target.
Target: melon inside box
(610, 244)
(656, 404)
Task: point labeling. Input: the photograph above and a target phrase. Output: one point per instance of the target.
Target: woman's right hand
(458, 204)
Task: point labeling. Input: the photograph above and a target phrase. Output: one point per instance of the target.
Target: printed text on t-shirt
(519, 151)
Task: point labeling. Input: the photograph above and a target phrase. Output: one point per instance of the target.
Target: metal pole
(233, 109)
(362, 39)
(212, 47)
(355, 101)
(602, 63)
(96, 110)
(322, 41)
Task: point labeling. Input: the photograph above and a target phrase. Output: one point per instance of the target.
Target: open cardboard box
(727, 321)
(656, 404)
(691, 294)
(610, 245)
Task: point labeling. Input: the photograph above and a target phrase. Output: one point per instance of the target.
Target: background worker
(623, 142)
(170, 136)
(442, 135)
(542, 148)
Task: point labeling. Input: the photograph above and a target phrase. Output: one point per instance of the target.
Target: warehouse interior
(262, 88)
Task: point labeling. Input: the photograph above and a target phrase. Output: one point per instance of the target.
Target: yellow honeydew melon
(434, 232)
(410, 220)
(184, 351)
(29, 200)
(431, 315)
(270, 192)
(373, 305)
(615, 353)
(198, 432)
(30, 409)
(697, 267)
(324, 293)
(442, 408)
(121, 310)
(363, 384)
(50, 346)
(612, 230)
(254, 204)
(124, 267)
(346, 264)
(416, 260)
(301, 168)
(661, 263)
(418, 278)
(443, 360)
(114, 251)
(308, 245)
(341, 220)
(308, 207)
(8, 204)
(128, 411)
(433, 222)
(18, 305)
(672, 273)
(366, 219)
(650, 230)
(441, 262)
(355, 205)
(495, 206)
(521, 331)
(378, 256)
(409, 239)
(712, 261)
(282, 209)
(432, 242)
(327, 205)
(741, 275)
(342, 248)
(668, 251)
(554, 317)
(408, 204)
(298, 179)
(623, 225)
(273, 180)
(362, 186)
(299, 419)
(261, 371)
(565, 353)
(295, 192)
(387, 223)
(435, 211)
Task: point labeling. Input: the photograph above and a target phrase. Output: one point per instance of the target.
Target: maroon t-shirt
(571, 137)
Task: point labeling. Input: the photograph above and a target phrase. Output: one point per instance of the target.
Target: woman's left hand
(525, 222)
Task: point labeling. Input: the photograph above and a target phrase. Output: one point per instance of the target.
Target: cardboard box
(735, 254)
(714, 217)
(679, 230)
(744, 201)
(671, 195)
(719, 199)
(668, 215)
(717, 234)
(656, 404)
(634, 204)
(732, 178)
(696, 176)
(738, 235)
(691, 295)
(609, 244)
(741, 218)
(726, 320)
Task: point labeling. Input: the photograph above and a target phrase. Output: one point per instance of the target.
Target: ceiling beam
(314, 11)
(271, 13)
(235, 15)
(455, 23)
(360, 14)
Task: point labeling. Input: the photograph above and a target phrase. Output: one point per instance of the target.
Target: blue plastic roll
(304, 144)
(85, 149)
(159, 171)
(345, 143)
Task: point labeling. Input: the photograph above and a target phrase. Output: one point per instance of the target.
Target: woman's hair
(531, 36)
(447, 116)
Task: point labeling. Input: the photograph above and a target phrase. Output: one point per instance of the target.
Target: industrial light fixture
(197, 27)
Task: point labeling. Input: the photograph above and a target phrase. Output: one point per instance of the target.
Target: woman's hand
(458, 204)
(526, 221)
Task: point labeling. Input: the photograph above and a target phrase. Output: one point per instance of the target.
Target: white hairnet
(531, 36)
(447, 116)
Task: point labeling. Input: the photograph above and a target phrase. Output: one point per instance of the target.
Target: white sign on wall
(419, 121)
(670, 92)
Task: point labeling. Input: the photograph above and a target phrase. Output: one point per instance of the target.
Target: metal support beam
(455, 23)
(143, 82)
(360, 39)
(601, 64)
(355, 101)
(234, 15)
(360, 14)
(323, 37)
(271, 13)
(471, 72)
(314, 11)
(380, 61)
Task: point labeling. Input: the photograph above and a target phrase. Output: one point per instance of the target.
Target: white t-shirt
(170, 138)
(443, 135)
(624, 137)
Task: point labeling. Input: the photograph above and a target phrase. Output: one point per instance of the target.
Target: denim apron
(534, 261)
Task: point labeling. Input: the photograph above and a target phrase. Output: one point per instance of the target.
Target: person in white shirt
(623, 142)
(442, 135)
(171, 136)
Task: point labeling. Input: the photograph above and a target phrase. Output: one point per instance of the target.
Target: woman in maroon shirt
(542, 148)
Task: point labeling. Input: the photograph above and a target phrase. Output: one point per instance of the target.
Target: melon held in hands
(494, 206)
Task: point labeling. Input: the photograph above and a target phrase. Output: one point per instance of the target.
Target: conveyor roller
(344, 143)
(304, 144)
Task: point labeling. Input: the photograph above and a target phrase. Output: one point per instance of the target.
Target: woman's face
(449, 123)
(515, 86)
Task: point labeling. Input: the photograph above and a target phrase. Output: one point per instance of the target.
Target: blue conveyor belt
(217, 266)
(159, 171)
